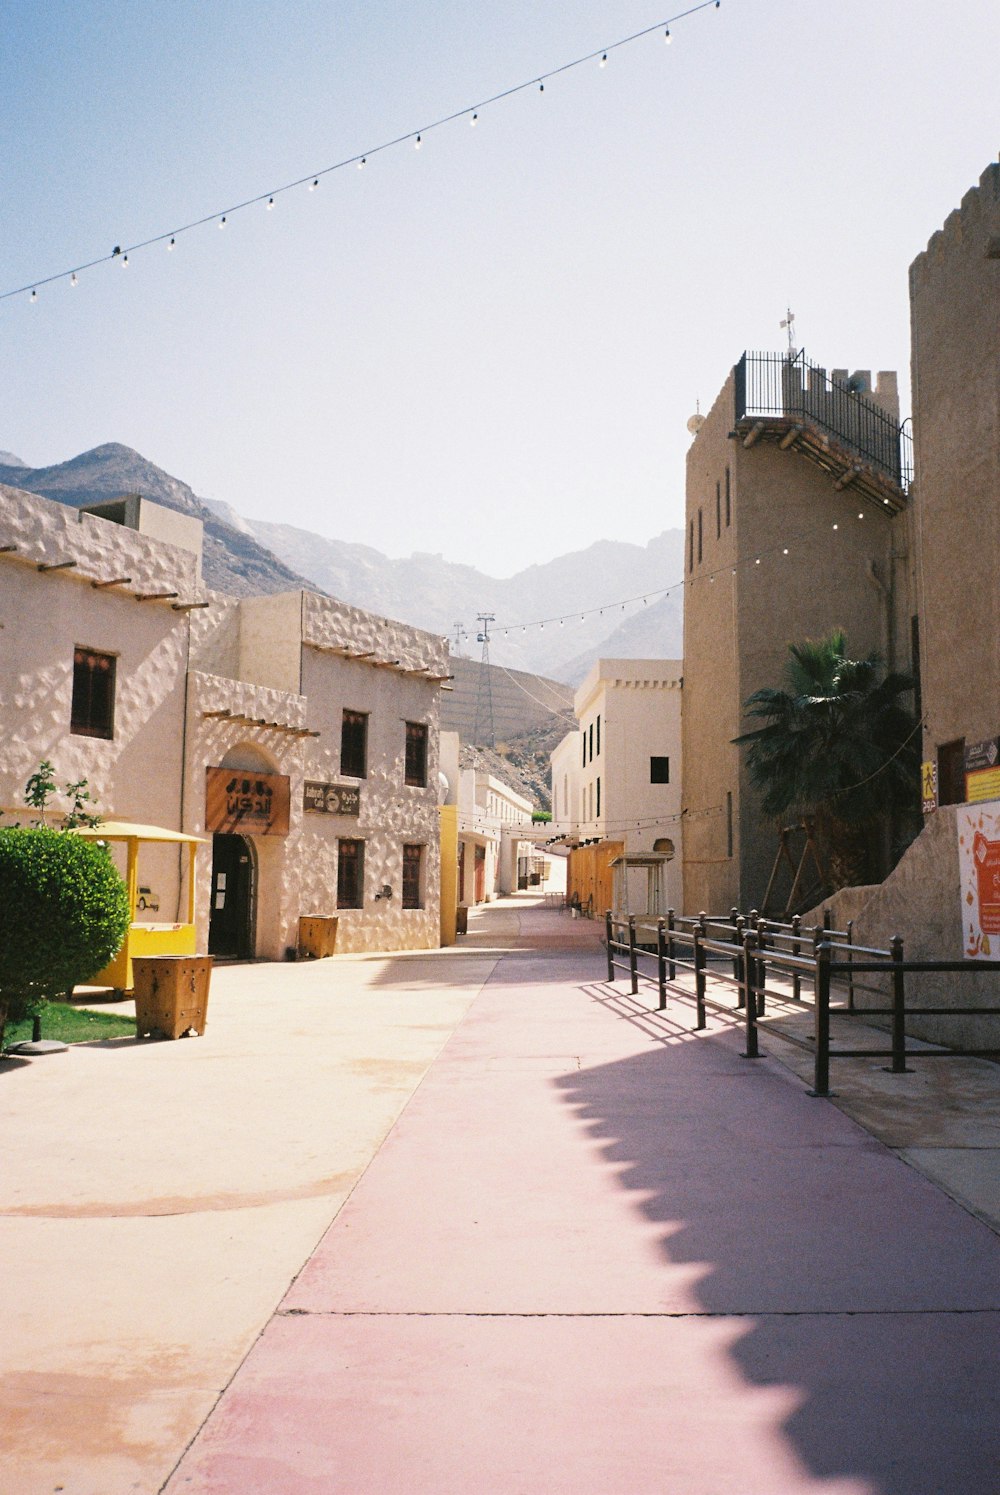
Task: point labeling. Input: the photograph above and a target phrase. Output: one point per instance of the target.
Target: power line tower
(459, 636)
(484, 696)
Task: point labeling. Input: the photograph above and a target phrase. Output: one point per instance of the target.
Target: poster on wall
(979, 875)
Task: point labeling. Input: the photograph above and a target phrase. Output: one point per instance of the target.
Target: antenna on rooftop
(484, 696)
(788, 323)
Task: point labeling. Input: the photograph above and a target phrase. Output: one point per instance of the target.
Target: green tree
(837, 747)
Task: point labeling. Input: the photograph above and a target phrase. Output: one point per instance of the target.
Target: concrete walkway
(600, 1255)
(569, 1246)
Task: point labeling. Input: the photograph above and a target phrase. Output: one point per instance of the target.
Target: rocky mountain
(552, 618)
(233, 560)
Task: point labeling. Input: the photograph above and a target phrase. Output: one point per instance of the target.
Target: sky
(489, 347)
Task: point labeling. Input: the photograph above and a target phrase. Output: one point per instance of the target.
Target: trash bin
(171, 993)
(317, 936)
(461, 919)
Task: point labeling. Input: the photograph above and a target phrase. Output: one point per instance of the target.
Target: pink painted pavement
(603, 1255)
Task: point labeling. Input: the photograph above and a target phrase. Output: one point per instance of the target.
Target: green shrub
(63, 915)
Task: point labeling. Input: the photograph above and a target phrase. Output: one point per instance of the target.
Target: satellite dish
(695, 423)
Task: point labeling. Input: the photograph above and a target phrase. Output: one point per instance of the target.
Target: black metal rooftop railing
(772, 385)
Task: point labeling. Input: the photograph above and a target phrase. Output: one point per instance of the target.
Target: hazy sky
(489, 347)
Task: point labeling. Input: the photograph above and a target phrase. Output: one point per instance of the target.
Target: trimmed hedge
(63, 915)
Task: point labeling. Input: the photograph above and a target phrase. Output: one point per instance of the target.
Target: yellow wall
(589, 874)
(449, 871)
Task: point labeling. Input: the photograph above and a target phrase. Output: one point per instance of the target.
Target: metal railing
(773, 385)
(747, 948)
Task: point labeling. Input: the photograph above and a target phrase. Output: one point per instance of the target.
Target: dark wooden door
(232, 893)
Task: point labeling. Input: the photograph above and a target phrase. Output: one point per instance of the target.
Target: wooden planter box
(171, 993)
(317, 936)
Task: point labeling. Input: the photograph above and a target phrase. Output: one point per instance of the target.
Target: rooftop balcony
(832, 420)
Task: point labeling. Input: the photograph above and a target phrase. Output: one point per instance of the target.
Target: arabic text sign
(240, 800)
(331, 799)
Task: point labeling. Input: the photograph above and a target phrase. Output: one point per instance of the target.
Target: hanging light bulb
(836, 526)
(362, 162)
(270, 203)
(757, 561)
(541, 88)
(73, 280)
(667, 37)
(785, 551)
(171, 243)
(33, 296)
(416, 143)
(861, 514)
(222, 221)
(314, 184)
(474, 120)
(604, 60)
(124, 261)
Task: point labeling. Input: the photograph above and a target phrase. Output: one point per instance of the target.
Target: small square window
(92, 713)
(350, 874)
(413, 859)
(416, 754)
(354, 744)
(659, 770)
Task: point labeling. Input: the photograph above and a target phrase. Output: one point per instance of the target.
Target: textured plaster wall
(392, 812)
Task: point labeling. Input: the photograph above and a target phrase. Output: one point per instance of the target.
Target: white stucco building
(297, 735)
(617, 778)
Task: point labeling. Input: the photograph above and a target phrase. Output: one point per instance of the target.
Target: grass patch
(68, 1024)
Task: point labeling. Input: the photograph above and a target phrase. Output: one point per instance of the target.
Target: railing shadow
(860, 1287)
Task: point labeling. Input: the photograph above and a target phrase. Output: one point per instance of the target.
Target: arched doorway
(234, 887)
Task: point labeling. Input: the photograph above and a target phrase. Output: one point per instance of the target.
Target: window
(659, 770)
(699, 536)
(598, 736)
(729, 823)
(592, 742)
(729, 502)
(598, 799)
(416, 754)
(584, 764)
(354, 744)
(718, 510)
(350, 874)
(690, 544)
(92, 713)
(413, 858)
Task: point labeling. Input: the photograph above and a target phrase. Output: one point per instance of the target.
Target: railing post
(609, 933)
(749, 964)
(632, 963)
(827, 920)
(796, 951)
(661, 963)
(671, 964)
(761, 967)
(821, 1072)
(699, 973)
(741, 990)
(734, 916)
(850, 966)
(898, 1007)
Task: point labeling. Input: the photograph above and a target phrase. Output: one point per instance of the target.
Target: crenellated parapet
(976, 221)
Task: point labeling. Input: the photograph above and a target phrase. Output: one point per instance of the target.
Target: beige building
(955, 331)
(617, 778)
(299, 736)
(495, 838)
(796, 500)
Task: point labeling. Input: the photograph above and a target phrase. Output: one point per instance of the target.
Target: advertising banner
(979, 874)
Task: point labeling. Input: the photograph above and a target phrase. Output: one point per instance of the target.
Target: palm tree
(838, 748)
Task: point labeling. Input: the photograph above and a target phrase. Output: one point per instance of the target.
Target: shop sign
(982, 771)
(928, 787)
(332, 799)
(239, 800)
(979, 872)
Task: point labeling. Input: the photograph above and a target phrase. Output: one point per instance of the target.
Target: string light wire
(312, 179)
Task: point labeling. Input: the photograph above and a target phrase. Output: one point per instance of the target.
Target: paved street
(571, 1246)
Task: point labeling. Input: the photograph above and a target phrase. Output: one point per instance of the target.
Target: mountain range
(552, 618)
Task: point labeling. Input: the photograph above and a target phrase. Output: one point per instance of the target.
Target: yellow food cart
(143, 938)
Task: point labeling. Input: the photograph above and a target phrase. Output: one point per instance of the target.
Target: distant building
(616, 782)
(797, 491)
(298, 735)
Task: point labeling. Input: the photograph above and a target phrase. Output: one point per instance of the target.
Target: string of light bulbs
(312, 179)
(693, 579)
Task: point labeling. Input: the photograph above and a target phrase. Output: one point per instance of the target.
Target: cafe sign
(240, 801)
(982, 771)
(331, 799)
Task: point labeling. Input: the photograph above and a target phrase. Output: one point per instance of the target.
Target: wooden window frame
(354, 724)
(415, 761)
(413, 875)
(350, 851)
(90, 718)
